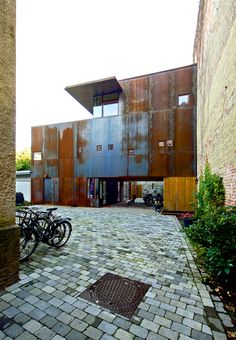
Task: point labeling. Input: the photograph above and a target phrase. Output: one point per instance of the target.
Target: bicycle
(41, 226)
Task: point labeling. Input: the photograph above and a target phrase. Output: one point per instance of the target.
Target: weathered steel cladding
(130, 145)
(138, 94)
(171, 122)
(138, 144)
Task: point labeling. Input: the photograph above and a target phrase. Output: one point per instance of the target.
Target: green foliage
(23, 160)
(215, 227)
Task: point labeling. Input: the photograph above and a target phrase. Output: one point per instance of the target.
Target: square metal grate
(116, 293)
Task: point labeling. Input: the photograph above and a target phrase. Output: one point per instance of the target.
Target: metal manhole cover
(116, 293)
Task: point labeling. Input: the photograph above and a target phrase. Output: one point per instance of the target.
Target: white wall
(25, 188)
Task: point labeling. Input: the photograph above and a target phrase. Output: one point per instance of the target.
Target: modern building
(141, 129)
(214, 52)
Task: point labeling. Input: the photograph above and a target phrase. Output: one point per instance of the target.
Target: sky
(66, 42)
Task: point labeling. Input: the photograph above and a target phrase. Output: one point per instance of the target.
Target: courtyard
(136, 243)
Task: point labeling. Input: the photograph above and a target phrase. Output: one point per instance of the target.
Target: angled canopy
(85, 92)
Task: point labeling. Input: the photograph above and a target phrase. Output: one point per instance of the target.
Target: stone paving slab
(136, 243)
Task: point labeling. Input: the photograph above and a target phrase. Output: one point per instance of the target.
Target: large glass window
(105, 105)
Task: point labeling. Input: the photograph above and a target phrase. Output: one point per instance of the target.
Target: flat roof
(85, 92)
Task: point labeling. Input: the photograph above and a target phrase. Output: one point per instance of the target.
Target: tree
(23, 160)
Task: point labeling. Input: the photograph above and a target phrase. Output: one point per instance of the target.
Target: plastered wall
(9, 233)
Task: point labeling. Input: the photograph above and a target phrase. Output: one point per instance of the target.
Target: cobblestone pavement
(135, 243)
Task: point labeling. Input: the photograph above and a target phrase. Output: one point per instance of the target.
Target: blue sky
(67, 42)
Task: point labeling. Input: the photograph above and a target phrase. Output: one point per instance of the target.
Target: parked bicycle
(41, 226)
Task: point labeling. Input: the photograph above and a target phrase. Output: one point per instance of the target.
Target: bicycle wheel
(149, 202)
(43, 222)
(61, 234)
(44, 226)
(28, 242)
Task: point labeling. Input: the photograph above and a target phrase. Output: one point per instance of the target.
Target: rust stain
(51, 142)
(138, 159)
(138, 95)
(159, 96)
(37, 139)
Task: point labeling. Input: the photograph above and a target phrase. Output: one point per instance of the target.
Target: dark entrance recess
(112, 191)
(116, 293)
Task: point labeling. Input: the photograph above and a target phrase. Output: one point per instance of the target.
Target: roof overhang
(85, 92)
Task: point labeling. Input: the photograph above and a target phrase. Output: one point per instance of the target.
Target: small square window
(37, 156)
(169, 142)
(110, 147)
(161, 144)
(183, 99)
(81, 149)
(99, 147)
(131, 152)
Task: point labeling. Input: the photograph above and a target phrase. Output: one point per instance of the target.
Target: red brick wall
(230, 186)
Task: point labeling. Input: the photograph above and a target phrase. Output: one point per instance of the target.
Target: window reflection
(110, 110)
(105, 105)
(97, 111)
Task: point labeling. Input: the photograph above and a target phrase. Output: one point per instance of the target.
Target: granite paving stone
(45, 333)
(32, 326)
(25, 336)
(13, 331)
(93, 333)
(75, 335)
(61, 329)
(134, 242)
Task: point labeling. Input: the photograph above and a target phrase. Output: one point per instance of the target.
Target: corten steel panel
(184, 82)
(81, 192)
(50, 142)
(66, 168)
(158, 157)
(159, 89)
(184, 143)
(184, 164)
(37, 190)
(66, 162)
(37, 168)
(138, 144)
(66, 140)
(82, 147)
(51, 168)
(184, 133)
(179, 193)
(37, 139)
(107, 163)
(66, 191)
(51, 190)
(138, 95)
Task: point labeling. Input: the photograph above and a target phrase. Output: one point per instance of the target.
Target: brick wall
(215, 51)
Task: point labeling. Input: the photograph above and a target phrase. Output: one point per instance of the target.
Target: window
(99, 148)
(169, 142)
(105, 105)
(37, 156)
(183, 99)
(131, 152)
(110, 147)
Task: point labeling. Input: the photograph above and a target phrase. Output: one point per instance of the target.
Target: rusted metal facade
(151, 137)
